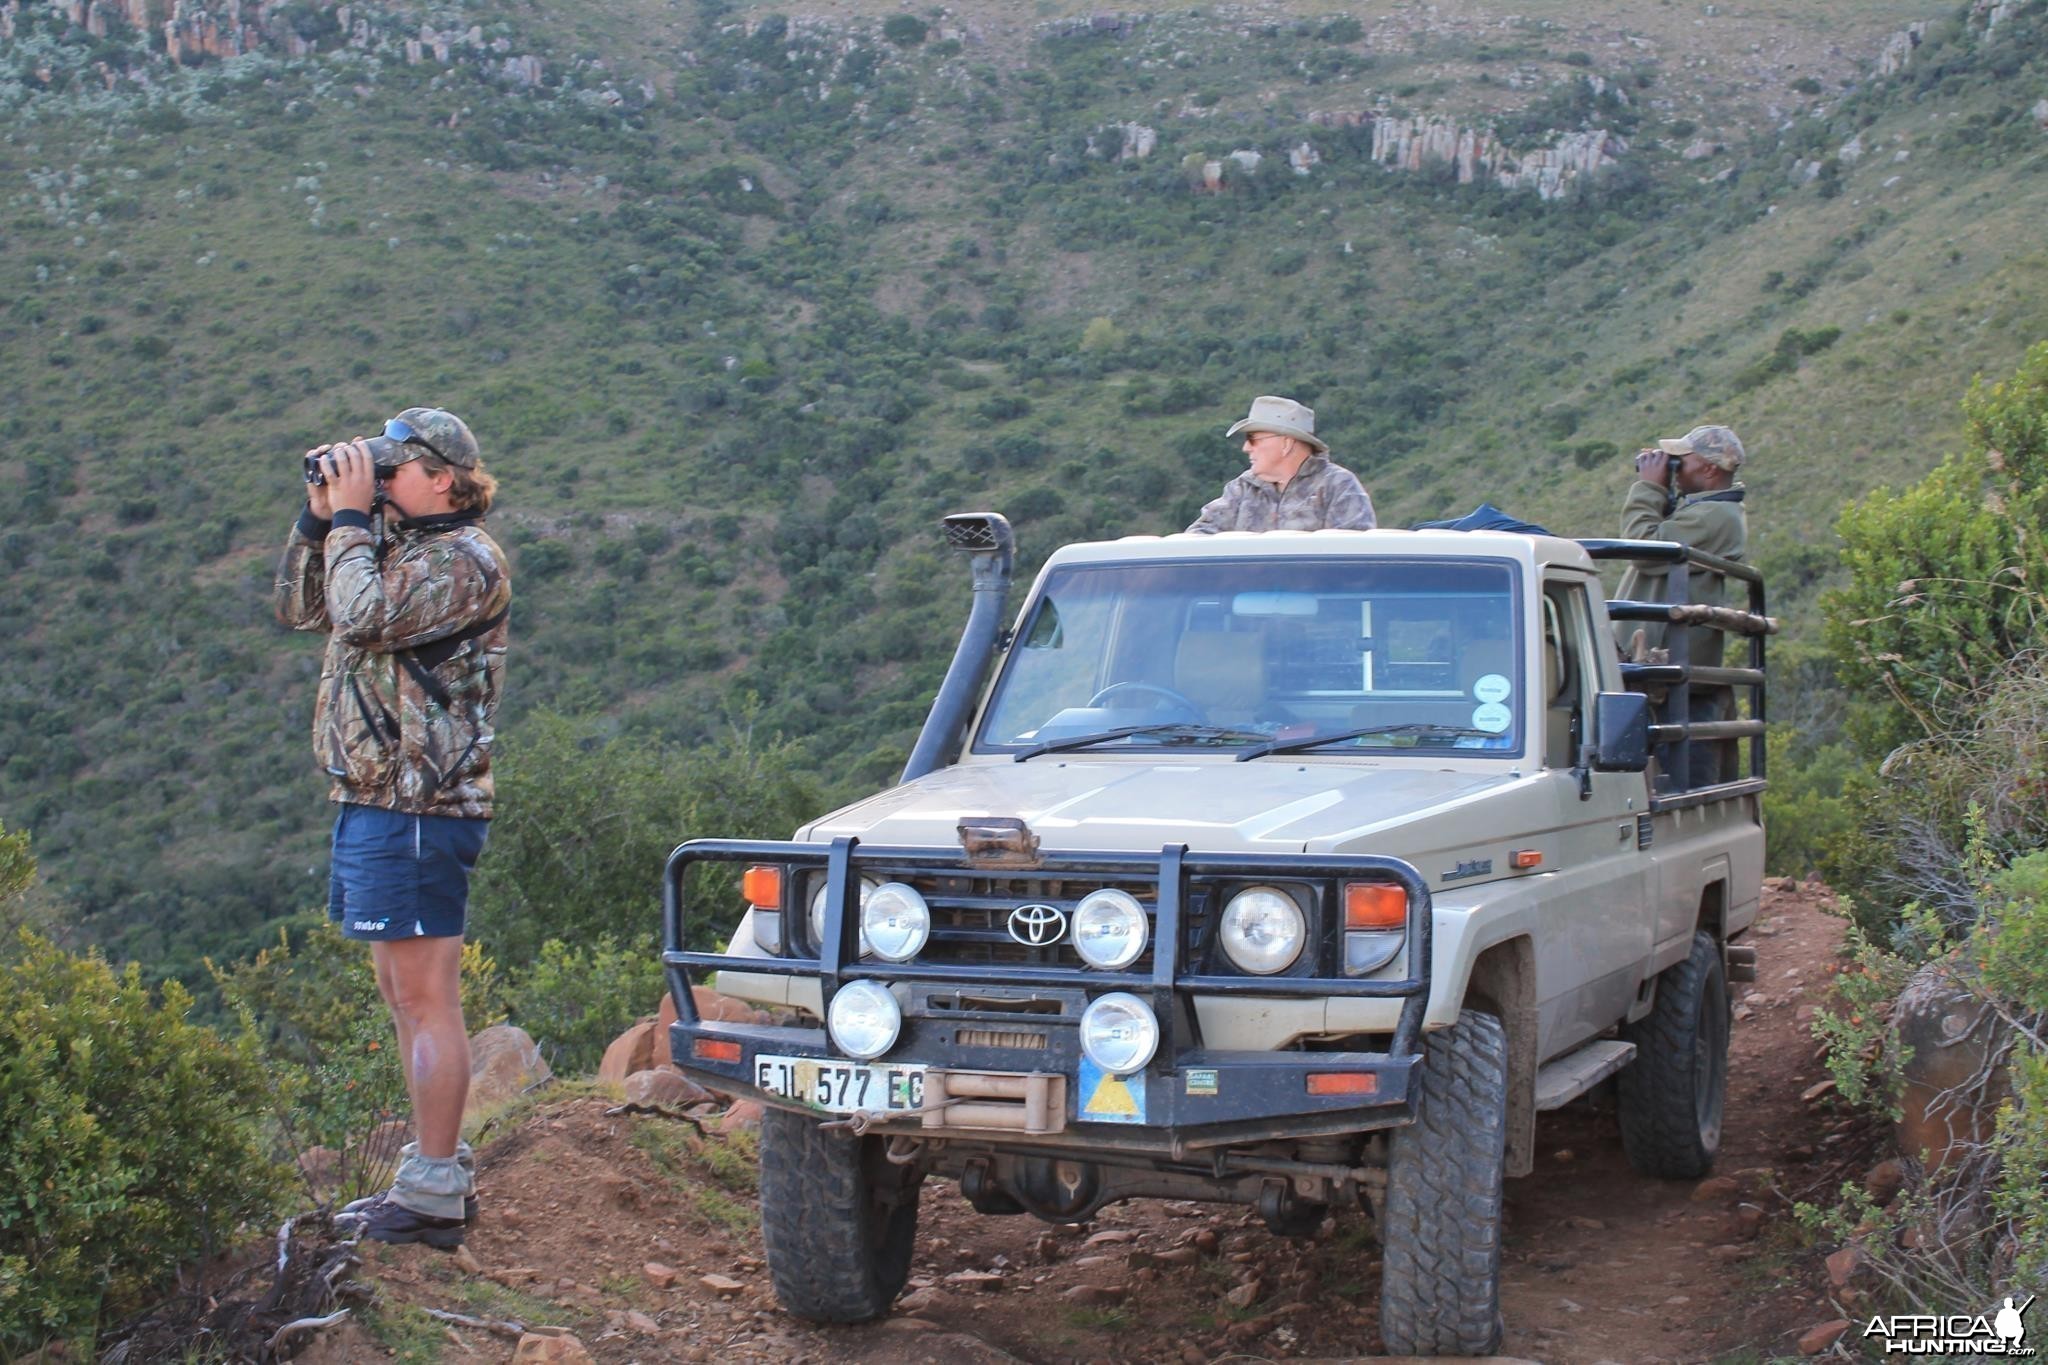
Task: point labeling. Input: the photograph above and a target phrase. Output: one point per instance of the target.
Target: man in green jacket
(1685, 490)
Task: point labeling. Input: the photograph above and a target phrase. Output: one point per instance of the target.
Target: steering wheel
(1183, 707)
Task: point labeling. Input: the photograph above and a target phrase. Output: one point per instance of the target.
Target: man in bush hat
(403, 725)
(1292, 484)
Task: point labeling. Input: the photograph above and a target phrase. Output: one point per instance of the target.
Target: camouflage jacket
(1320, 496)
(402, 722)
(1714, 522)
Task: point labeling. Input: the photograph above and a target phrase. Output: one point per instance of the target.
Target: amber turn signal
(1525, 858)
(1342, 1083)
(762, 886)
(713, 1051)
(1375, 905)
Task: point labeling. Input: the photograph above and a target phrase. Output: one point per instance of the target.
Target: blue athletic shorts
(402, 876)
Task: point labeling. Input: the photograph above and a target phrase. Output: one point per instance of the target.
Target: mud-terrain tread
(834, 1254)
(1440, 1283)
(1656, 1092)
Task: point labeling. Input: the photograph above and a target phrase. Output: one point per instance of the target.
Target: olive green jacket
(1714, 522)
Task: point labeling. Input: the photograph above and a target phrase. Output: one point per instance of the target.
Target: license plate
(842, 1087)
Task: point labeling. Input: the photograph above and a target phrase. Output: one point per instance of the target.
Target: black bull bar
(1242, 1096)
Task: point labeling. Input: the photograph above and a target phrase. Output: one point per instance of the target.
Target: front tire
(838, 1220)
(1440, 1289)
(1671, 1095)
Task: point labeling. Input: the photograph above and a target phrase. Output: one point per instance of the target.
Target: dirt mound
(641, 1234)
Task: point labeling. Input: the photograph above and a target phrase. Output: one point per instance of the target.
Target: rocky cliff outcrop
(1410, 144)
(189, 32)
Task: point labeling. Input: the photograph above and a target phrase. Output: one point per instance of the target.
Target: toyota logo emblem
(1034, 926)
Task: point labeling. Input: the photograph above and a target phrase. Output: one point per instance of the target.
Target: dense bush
(575, 1000)
(1944, 595)
(1942, 637)
(587, 819)
(129, 1142)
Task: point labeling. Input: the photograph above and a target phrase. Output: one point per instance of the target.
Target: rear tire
(838, 1220)
(1440, 1289)
(1671, 1095)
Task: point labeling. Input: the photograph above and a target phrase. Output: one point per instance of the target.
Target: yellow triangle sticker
(1111, 1097)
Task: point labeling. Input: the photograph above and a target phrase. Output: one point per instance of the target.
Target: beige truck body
(1565, 948)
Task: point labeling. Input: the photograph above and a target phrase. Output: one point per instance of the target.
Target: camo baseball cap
(447, 434)
(1718, 445)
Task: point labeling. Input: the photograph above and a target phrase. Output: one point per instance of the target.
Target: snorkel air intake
(985, 536)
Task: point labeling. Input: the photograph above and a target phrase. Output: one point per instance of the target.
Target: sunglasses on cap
(388, 452)
(402, 432)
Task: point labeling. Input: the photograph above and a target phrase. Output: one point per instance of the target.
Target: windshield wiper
(1408, 727)
(1173, 732)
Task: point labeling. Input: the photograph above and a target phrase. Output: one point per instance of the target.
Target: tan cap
(1717, 445)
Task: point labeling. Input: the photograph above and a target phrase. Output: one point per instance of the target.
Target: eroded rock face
(1956, 1075)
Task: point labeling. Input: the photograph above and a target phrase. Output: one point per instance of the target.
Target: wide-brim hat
(1283, 416)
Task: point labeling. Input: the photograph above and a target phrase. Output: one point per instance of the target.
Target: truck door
(1598, 921)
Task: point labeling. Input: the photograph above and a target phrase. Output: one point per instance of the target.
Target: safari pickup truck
(1291, 870)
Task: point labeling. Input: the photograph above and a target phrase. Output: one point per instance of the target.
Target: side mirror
(1621, 732)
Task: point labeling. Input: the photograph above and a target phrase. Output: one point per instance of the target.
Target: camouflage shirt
(378, 728)
(1320, 496)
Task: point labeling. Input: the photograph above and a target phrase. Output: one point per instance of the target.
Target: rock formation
(1898, 49)
(1409, 144)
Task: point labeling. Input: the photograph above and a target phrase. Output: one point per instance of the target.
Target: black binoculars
(384, 456)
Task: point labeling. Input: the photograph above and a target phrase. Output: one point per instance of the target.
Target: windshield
(1298, 655)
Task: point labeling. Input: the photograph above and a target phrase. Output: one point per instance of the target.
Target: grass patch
(1099, 1319)
(409, 1335)
(717, 1180)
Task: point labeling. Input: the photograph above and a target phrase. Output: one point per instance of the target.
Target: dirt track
(1601, 1265)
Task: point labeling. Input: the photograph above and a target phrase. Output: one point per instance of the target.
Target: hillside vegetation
(740, 304)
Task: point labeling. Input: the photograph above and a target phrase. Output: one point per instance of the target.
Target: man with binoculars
(415, 619)
(1685, 490)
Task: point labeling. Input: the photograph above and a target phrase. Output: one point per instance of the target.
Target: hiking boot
(392, 1222)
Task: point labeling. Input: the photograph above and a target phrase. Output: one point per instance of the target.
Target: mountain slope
(740, 305)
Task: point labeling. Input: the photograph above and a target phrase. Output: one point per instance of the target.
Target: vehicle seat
(1558, 704)
(1224, 673)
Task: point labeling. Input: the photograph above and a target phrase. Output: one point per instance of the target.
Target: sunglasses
(401, 431)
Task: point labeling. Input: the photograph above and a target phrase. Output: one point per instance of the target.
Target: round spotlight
(1109, 929)
(895, 920)
(864, 1019)
(1119, 1033)
(867, 888)
(1263, 930)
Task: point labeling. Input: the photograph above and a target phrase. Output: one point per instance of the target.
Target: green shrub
(586, 820)
(574, 1001)
(128, 1142)
(904, 30)
(1805, 810)
(1945, 577)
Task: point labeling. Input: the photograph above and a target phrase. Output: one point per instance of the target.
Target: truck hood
(1212, 806)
